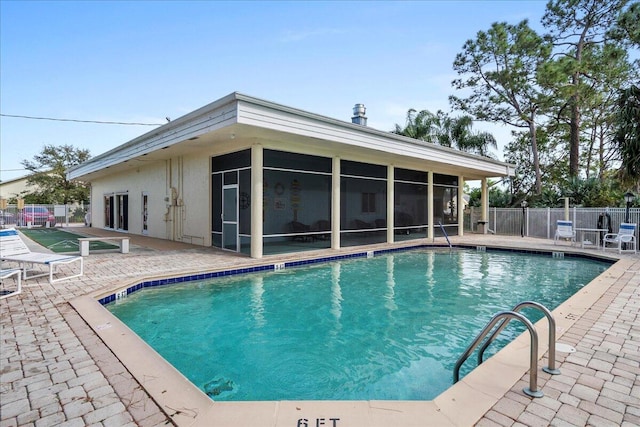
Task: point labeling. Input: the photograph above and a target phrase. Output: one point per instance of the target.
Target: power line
(80, 121)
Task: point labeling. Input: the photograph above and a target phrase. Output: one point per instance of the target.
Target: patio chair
(624, 238)
(300, 230)
(322, 225)
(13, 248)
(564, 230)
(5, 276)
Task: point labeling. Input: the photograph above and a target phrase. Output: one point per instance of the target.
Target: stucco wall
(180, 214)
(195, 192)
(147, 178)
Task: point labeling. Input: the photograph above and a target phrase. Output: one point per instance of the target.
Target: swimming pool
(390, 327)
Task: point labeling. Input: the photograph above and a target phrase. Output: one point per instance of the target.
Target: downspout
(178, 224)
(168, 216)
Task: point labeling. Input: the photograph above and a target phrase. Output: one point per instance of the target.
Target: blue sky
(142, 61)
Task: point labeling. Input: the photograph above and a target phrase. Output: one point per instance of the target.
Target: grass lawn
(58, 240)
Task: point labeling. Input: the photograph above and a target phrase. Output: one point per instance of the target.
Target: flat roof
(243, 117)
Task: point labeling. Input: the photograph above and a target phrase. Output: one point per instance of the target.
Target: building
(253, 176)
(15, 188)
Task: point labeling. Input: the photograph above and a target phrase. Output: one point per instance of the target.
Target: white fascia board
(214, 116)
(263, 114)
(243, 109)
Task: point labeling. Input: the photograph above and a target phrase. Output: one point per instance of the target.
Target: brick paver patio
(54, 370)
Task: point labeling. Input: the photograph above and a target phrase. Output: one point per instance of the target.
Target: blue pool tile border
(272, 267)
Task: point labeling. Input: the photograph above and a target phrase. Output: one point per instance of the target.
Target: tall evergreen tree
(627, 136)
(575, 27)
(499, 66)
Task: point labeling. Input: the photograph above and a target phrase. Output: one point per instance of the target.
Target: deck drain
(564, 348)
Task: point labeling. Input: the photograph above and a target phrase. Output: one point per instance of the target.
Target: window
(368, 202)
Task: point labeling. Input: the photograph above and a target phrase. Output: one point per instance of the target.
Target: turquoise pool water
(389, 327)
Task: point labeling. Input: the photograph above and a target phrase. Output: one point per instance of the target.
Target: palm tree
(451, 132)
(472, 142)
(417, 126)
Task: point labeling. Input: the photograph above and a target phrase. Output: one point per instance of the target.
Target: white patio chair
(5, 276)
(12, 248)
(564, 230)
(625, 237)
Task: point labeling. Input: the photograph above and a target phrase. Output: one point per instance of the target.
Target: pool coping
(477, 392)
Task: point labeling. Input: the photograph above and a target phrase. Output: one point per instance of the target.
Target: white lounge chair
(13, 248)
(7, 274)
(625, 237)
(564, 230)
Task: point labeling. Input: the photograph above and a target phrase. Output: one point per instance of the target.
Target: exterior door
(230, 217)
(145, 213)
(122, 209)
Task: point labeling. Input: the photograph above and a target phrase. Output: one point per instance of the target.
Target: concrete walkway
(55, 370)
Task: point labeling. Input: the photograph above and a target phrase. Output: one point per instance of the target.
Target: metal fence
(541, 222)
(532, 222)
(43, 215)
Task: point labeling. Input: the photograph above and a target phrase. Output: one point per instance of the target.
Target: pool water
(385, 328)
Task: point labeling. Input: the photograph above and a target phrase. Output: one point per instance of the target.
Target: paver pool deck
(61, 364)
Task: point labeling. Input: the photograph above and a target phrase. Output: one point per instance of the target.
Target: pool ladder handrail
(446, 236)
(551, 369)
(506, 317)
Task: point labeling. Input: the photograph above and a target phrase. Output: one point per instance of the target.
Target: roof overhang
(243, 118)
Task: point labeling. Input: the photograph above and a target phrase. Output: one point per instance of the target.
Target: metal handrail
(446, 236)
(532, 390)
(551, 369)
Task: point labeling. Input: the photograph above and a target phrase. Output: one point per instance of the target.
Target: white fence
(532, 222)
(40, 215)
(541, 222)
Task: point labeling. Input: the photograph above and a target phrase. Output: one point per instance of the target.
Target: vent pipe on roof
(359, 117)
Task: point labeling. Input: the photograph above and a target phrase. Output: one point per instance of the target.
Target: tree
(48, 174)
(576, 26)
(627, 136)
(439, 128)
(498, 197)
(610, 71)
(462, 135)
(627, 29)
(418, 125)
(518, 152)
(500, 67)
